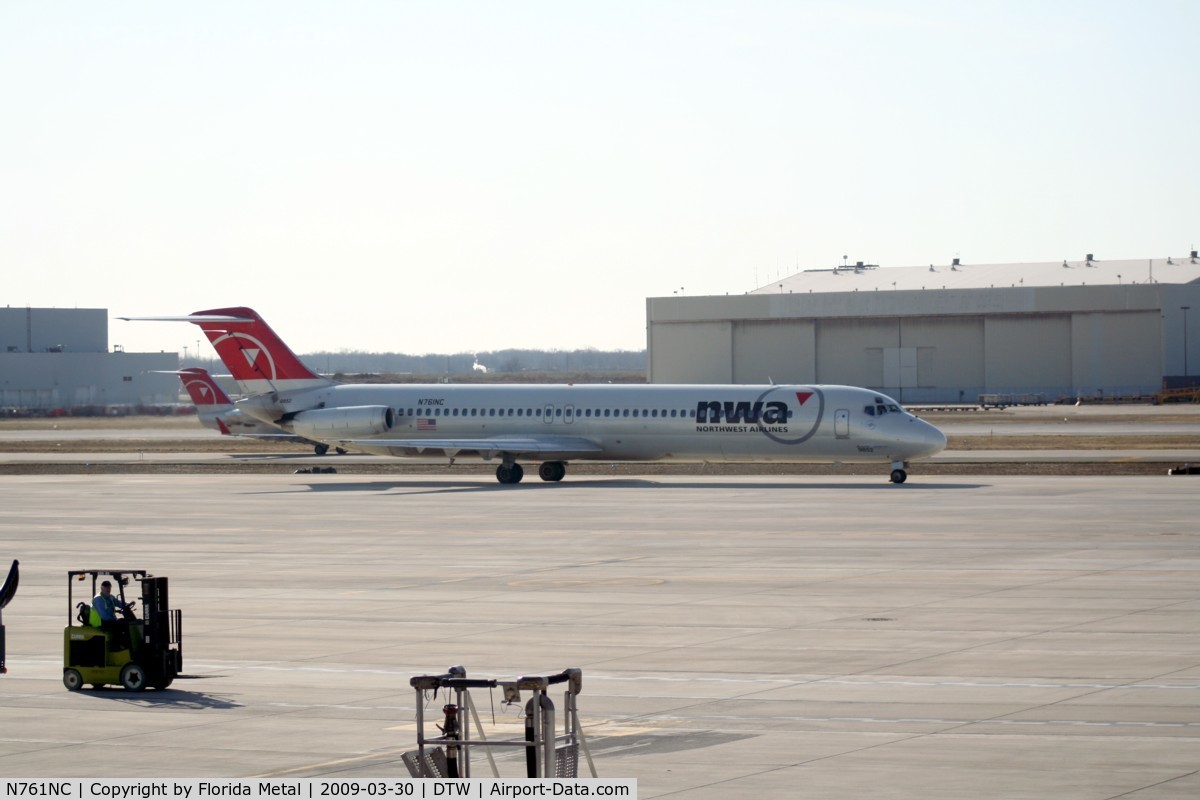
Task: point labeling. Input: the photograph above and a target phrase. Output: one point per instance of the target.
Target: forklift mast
(161, 624)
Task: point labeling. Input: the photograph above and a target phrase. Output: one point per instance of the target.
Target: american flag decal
(425, 424)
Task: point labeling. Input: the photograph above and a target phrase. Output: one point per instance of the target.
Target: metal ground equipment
(547, 754)
(136, 652)
(6, 594)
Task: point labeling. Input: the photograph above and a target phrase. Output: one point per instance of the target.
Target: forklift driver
(104, 615)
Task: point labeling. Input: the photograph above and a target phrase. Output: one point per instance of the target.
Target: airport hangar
(57, 358)
(944, 333)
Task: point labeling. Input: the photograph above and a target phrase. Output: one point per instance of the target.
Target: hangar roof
(868, 277)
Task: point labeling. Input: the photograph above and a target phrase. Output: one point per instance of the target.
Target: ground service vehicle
(136, 652)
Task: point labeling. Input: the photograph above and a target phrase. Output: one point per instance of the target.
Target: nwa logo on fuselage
(732, 412)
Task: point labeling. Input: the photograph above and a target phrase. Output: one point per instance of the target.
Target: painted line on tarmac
(780, 682)
(923, 721)
(776, 682)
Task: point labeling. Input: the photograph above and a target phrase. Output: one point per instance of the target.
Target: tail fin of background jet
(210, 400)
(258, 359)
(202, 389)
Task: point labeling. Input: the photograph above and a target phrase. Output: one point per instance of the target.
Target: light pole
(1185, 309)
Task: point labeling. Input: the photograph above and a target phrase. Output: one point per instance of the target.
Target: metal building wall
(774, 351)
(844, 350)
(691, 352)
(1116, 353)
(67, 380)
(935, 346)
(49, 380)
(57, 358)
(1027, 354)
(38, 330)
(949, 351)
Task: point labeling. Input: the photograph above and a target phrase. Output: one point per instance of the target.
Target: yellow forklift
(134, 651)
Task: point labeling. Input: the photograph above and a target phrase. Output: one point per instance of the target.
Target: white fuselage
(629, 422)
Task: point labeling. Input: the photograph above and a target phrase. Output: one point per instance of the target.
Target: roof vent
(1089, 259)
(1193, 256)
(1065, 264)
(954, 263)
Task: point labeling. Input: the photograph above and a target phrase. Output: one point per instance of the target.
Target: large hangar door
(1029, 353)
(900, 367)
(774, 351)
(691, 352)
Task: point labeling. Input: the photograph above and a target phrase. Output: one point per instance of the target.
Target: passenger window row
(537, 412)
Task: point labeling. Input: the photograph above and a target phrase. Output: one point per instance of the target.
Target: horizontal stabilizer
(190, 318)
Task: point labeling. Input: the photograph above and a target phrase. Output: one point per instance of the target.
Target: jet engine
(343, 423)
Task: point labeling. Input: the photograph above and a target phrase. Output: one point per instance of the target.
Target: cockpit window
(869, 410)
(885, 404)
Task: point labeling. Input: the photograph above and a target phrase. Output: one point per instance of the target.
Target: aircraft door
(548, 414)
(568, 414)
(841, 424)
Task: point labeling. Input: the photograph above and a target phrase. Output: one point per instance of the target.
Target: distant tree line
(496, 361)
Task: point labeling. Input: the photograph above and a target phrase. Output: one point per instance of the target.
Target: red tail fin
(201, 387)
(258, 359)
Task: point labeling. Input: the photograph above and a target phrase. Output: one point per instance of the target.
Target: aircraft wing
(556, 447)
(278, 437)
(272, 437)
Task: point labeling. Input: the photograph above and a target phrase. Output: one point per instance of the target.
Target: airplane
(555, 424)
(215, 410)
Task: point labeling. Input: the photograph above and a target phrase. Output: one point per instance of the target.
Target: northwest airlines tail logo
(199, 392)
(250, 354)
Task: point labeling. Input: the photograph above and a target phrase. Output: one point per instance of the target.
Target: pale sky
(467, 176)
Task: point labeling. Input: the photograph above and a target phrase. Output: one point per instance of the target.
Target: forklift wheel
(133, 677)
(72, 680)
(164, 683)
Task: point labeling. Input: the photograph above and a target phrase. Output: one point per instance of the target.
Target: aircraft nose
(935, 440)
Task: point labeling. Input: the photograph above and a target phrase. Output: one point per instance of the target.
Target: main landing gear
(509, 473)
(552, 471)
(899, 475)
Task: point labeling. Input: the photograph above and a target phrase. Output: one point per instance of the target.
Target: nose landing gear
(899, 474)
